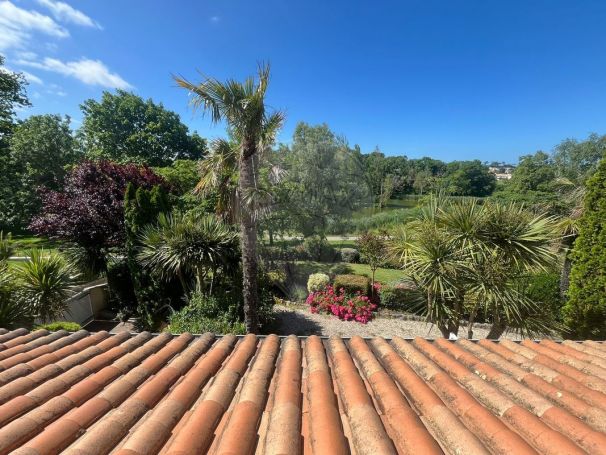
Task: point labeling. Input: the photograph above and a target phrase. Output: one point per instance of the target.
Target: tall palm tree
(242, 106)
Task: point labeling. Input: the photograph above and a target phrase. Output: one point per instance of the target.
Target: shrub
(585, 311)
(121, 290)
(544, 289)
(7, 246)
(317, 282)
(350, 255)
(398, 296)
(318, 248)
(339, 269)
(208, 314)
(339, 303)
(352, 284)
(61, 325)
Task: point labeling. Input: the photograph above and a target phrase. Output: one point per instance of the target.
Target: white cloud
(91, 72)
(66, 13)
(32, 78)
(16, 25)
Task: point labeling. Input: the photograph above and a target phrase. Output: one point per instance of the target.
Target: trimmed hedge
(350, 255)
(352, 284)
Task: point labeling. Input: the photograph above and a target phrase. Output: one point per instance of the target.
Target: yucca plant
(181, 246)
(466, 257)
(45, 283)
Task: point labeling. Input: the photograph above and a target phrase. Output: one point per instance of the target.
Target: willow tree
(253, 127)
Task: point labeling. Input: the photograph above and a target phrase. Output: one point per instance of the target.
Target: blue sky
(450, 79)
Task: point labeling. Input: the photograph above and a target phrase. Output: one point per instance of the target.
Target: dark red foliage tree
(89, 211)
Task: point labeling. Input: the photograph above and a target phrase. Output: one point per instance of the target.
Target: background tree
(242, 105)
(585, 311)
(578, 160)
(89, 210)
(533, 173)
(40, 149)
(122, 127)
(469, 178)
(12, 96)
(373, 250)
(324, 181)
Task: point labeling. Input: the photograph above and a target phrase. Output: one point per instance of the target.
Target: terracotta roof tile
(84, 393)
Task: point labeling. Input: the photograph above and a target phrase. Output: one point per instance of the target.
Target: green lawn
(26, 243)
(306, 268)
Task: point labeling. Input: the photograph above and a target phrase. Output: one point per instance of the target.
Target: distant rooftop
(94, 393)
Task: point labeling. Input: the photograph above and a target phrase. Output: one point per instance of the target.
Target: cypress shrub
(585, 312)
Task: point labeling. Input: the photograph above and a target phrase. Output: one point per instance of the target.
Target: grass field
(306, 268)
(26, 243)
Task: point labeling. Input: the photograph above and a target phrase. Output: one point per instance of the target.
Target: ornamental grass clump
(346, 307)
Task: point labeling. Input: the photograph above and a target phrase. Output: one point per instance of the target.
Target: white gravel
(298, 320)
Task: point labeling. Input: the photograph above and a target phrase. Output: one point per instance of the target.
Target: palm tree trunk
(566, 267)
(248, 230)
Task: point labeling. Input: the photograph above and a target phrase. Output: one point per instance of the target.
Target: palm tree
(180, 246)
(242, 106)
(466, 257)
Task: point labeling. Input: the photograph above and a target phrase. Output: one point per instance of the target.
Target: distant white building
(504, 172)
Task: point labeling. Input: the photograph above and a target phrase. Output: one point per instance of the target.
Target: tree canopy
(123, 127)
(12, 96)
(324, 181)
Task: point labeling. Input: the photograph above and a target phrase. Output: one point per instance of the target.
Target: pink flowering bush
(346, 307)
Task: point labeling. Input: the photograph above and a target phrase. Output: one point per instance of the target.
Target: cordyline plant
(466, 257)
(89, 211)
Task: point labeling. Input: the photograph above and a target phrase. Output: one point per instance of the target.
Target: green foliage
(352, 284)
(324, 181)
(469, 178)
(533, 173)
(585, 311)
(182, 175)
(340, 269)
(122, 296)
(400, 297)
(317, 282)
(44, 283)
(318, 249)
(13, 312)
(7, 246)
(373, 251)
(578, 160)
(187, 247)
(39, 150)
(466, 257)
(12, 97)
(123, 127)
(544, 289)
(142, 207)
(350, 255)
(382, 220)
(61, 325)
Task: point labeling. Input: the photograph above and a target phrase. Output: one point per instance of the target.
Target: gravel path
(298, 320)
